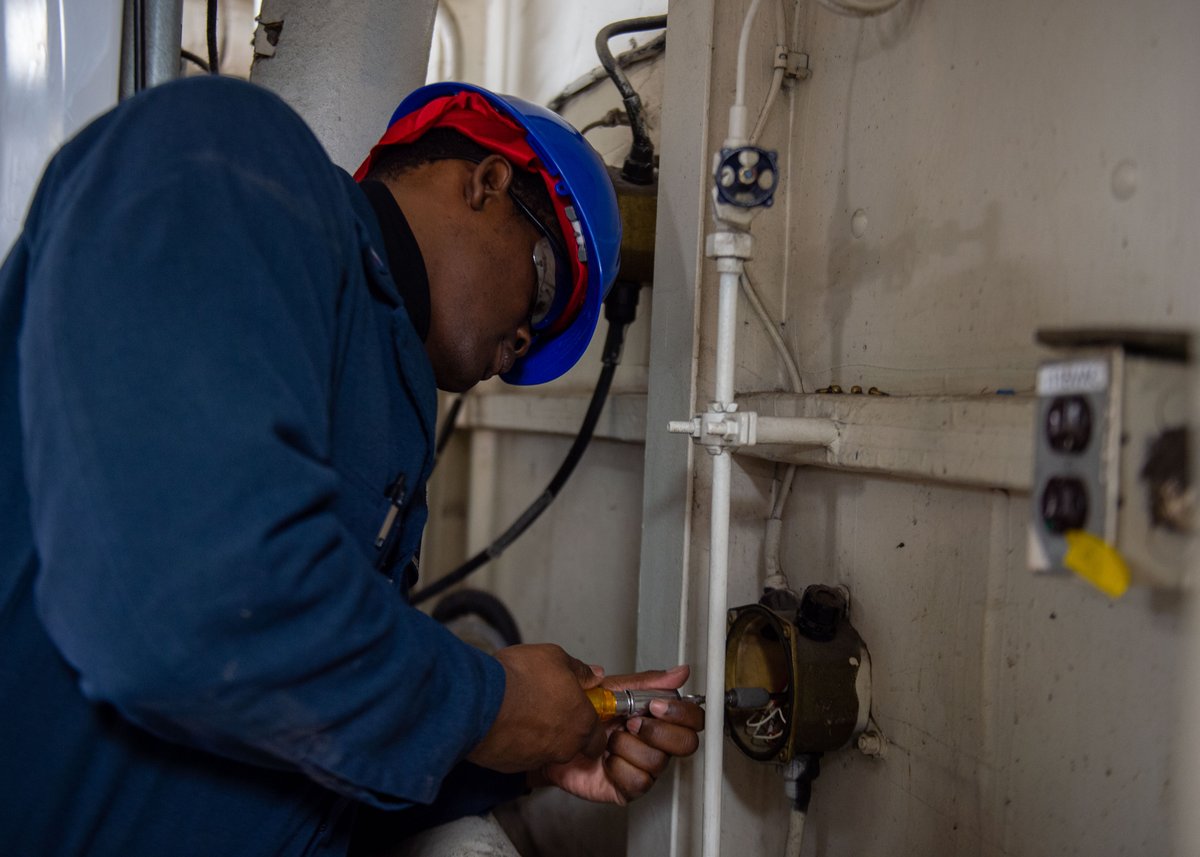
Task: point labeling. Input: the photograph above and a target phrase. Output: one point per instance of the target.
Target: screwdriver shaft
(632, 703)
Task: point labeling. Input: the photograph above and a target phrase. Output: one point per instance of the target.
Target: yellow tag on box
(1097, 562)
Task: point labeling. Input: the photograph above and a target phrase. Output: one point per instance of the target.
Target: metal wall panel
(1013, 166)
(61, 62)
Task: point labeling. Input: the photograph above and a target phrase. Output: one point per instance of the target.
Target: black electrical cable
(531, 514)
(139, 45)
(611, 119)
(639, 165)
(447, 431)
(619, 308)
(214, 64)
(485, 606)
(195, 60)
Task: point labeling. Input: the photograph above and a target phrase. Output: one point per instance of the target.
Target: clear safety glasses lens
(553, 273)
(546, 266)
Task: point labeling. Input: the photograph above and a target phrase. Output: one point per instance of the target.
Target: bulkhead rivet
(1124, 179)
(858, 223)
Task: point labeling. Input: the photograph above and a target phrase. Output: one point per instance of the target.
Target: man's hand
(545, 716)
(638, 749)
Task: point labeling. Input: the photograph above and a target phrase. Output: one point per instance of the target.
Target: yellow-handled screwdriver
(610, 704)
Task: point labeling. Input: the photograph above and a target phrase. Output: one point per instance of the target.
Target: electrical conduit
(718, 569)
(731, 268)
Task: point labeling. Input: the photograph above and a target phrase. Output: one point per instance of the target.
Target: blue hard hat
(584, 185)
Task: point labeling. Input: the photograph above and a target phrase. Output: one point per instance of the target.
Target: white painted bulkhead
(1014, 166)
(990, 148)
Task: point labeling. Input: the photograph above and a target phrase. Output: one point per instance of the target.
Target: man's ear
(489, 180)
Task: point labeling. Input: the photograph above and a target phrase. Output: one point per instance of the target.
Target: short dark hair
(441, 144)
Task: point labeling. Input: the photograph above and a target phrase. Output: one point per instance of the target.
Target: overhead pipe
(797, 431)
(152, 39)
(448, 32)
(344, 72)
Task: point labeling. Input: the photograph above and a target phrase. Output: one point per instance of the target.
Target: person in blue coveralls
(218, 362)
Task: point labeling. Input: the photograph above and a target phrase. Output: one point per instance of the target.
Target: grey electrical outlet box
(1110, 453)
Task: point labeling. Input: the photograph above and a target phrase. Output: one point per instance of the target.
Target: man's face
(482, 297)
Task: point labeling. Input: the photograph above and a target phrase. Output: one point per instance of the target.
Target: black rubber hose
(476, 602)
(195, 60)
(639, 166)
(620, 308)
(447, 431)
(521, 524)
(214, 65)
(139, 45)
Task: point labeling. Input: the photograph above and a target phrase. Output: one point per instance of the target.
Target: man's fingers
(677, 711)
(630, 781)
(596, 742)
(638, 753)
(588, 676)
(671, 679)
(669, 738)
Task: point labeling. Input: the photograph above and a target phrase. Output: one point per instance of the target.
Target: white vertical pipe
(718, 564)
(714, 683)
(161, 25)
(737, 113)
(726, 331)
(163, 38)
(731, 270)
(739, 92)
(499, 57)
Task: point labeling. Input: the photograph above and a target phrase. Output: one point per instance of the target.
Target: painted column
(343, 65)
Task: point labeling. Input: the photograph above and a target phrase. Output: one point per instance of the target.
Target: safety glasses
(552, 270)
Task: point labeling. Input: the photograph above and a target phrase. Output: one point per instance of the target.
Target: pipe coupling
(728, 244)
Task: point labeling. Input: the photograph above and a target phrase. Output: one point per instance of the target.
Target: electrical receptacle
(1110, 457)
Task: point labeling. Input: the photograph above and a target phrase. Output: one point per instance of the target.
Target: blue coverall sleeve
(468, 790)
(176, 368)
